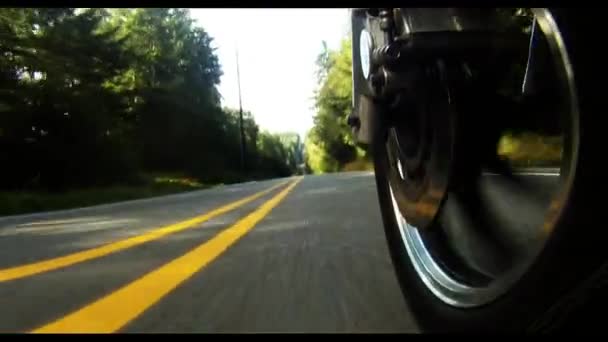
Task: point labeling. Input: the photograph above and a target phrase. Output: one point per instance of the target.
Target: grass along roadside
(359, 164)
(530, 149)
(22, 202)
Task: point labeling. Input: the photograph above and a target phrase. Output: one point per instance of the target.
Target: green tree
(329, 144)
(293, 145)
(100, 96)
(57, 116)
(273, 155)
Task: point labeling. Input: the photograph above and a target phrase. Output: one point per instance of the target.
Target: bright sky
(277, 52)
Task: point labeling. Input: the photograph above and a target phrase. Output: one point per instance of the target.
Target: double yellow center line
(118, 308)
(113, 311)
(93, 253)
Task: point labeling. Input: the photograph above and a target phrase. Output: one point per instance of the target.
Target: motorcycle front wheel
(511, 248)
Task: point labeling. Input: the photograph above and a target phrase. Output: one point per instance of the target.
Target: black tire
(576, 249)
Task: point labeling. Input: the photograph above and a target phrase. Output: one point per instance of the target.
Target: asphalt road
(316, 262)
(302, 255)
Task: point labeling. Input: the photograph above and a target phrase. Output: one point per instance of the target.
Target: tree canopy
(100, 96)
(329, 144)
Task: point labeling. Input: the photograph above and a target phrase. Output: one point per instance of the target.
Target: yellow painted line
(26, 270)
(113, 311)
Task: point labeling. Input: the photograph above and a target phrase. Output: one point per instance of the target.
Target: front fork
(391, 46)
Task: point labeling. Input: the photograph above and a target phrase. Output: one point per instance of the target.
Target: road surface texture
(305, 258)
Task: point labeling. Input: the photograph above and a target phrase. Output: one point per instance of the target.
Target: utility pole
(238, 77)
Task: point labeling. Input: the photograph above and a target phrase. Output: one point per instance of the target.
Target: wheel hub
(420, 152)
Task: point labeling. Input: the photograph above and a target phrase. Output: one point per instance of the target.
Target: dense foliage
(329, 144)
(101, 96)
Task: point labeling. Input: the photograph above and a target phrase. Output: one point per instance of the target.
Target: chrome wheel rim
(453, 290)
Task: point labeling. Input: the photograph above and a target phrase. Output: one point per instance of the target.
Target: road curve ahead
(301, 254)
